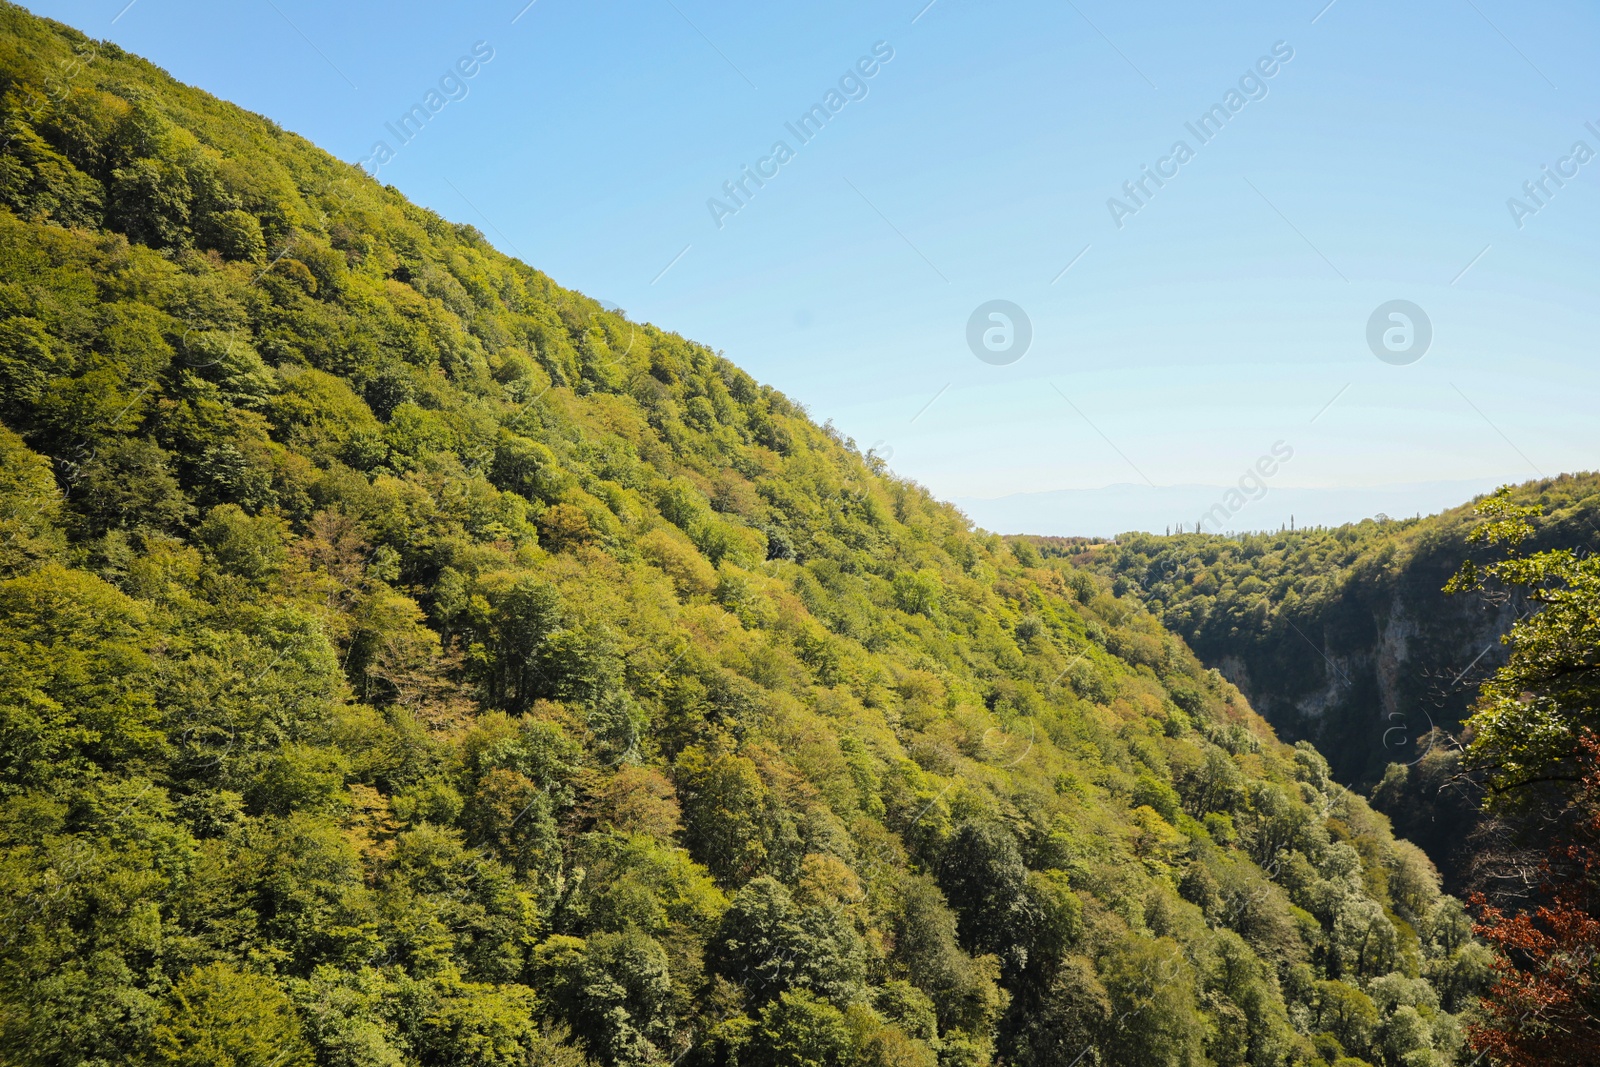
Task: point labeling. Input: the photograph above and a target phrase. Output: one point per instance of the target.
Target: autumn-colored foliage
(1544, 1009)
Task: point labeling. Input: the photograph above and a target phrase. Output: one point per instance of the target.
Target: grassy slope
(403, 659)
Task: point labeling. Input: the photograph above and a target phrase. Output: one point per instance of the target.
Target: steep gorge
(1345, 637)
(407, 660)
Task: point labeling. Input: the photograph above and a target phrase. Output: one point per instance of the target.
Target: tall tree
(1532, 739)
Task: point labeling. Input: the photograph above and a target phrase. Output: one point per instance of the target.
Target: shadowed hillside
(1345, 637)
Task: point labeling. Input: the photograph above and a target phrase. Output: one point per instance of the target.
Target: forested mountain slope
(1345, 637)
(405, 661)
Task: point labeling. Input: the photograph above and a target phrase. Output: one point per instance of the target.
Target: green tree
(766, 944)
(799, 1030)
(985, 881)
(249, 547)
(917, 593)
(29, 357)
(965, 991)
(1530, 714)
(1348, 1014)
(725, 811)
(220, 1017)
(517, 623)
(479, 1024)
(1152, 990)
(236, 234)
(74, 676)
(30, 507)
(1072, 1022)
(615, 991)
(128, 483)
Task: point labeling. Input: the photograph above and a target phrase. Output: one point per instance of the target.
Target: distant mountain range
(1126, 507)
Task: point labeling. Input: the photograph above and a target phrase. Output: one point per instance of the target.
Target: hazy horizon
(1127, 507)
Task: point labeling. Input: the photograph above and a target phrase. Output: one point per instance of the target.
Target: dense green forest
(1346, 637)
(404, 660)
(1504, 786)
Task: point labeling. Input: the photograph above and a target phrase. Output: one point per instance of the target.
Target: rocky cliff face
(1389, 707)
(1381, 673)
(1345, 638)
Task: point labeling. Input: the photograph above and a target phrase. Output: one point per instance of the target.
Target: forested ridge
(1345, 636)
(1504, 789)
(406, 660)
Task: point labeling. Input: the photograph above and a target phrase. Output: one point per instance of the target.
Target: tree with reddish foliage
(1544, 1008)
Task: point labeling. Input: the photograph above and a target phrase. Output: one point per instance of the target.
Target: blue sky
(1229, 313)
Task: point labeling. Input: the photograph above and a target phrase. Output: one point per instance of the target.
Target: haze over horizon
(1180, 328)
(1128, 507)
